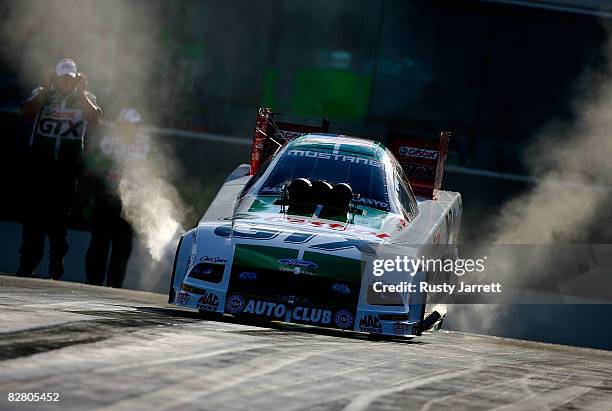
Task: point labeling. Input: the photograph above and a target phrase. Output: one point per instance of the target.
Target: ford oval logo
(294, 262)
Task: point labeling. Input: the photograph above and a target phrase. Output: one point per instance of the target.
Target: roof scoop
(300, 199)
(337, 201)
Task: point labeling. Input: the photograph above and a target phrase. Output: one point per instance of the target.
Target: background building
(496, 73)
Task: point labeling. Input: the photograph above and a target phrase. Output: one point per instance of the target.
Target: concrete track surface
(104, 349)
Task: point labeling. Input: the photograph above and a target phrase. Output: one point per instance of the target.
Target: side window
(262, 169)
(406, 197)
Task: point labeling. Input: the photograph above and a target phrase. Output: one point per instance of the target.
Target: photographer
(62, 109)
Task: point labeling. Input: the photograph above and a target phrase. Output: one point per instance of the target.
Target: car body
(253, 257)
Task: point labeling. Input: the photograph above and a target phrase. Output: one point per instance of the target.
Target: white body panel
(215, 238)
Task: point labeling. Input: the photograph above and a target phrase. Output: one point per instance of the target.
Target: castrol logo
(418, 152)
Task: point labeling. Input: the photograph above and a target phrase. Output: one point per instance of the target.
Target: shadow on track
(269, 327)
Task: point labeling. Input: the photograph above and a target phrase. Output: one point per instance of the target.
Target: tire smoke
(574, 169)
(151, 204)
(569, 204)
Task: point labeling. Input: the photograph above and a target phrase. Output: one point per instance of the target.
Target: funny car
(293, 236)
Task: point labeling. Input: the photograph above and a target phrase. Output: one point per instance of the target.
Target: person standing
(110, 162)
(62, 110)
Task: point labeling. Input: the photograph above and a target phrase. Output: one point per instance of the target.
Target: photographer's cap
(66, 67)
(130, 115)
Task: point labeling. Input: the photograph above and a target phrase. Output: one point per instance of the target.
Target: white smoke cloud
(568, 204)
(574, 171)
(150, 203)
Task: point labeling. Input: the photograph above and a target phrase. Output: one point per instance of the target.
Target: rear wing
(270, 135)
(422, 160)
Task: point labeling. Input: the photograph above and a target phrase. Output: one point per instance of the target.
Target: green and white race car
(294, 236)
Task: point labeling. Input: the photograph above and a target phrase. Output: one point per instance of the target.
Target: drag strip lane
(107, 349)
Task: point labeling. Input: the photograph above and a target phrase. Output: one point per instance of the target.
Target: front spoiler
(220, 302)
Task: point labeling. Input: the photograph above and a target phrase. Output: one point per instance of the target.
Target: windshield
(365, 174)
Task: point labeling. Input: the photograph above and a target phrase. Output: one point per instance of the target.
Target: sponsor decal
(247, 276)
(344, 319)
(208, 302)
(50, 127)
(418, 153)
(250, 234)
(341, 288)
(312, 315)
(234, 304)
(370, 202)
(182, 298)
(401, 329)
(297, 263)
(54, 113)
(269, 309)
(370, 324)
(266, 234)
(213, 259)
(278, 311)
(55, 122)
(336, 157)
(347, 243)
